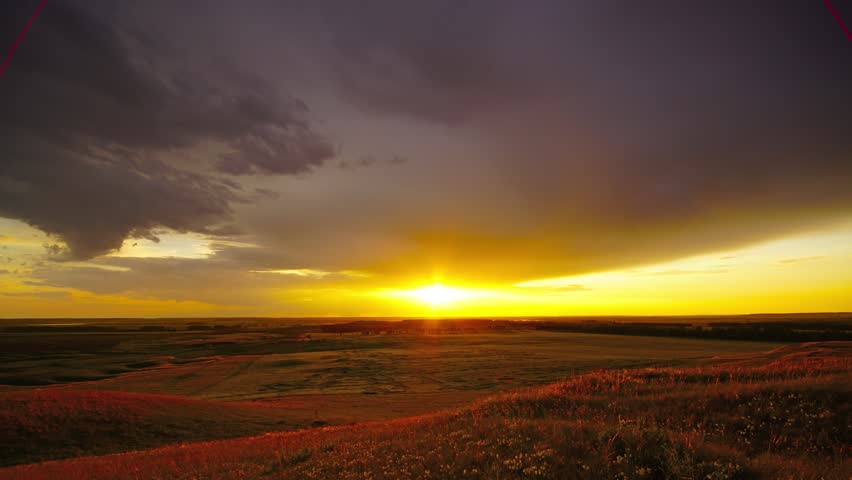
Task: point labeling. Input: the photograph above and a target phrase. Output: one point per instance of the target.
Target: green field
(260, 365)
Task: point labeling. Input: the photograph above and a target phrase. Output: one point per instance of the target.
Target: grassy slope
(783, 415)
(48, 424)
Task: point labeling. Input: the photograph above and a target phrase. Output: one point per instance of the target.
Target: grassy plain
(782, 414)
(442, 406)
(246, 365)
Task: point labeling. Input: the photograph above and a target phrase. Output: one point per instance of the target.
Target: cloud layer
(622, 132)
(539, 140)
(97, 122)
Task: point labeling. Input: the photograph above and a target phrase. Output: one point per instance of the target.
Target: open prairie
(98, 388)
(256, 365)
(781, 412)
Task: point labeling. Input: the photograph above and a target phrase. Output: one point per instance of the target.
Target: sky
(442, 158)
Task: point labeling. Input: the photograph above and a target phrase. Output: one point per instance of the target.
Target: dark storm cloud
(631, 131)
(91, 113)
(585, 135)
(449, 60)
(93, 206)
(438, 60)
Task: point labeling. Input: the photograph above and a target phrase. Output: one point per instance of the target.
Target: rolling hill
(58, 423)
(781, 415)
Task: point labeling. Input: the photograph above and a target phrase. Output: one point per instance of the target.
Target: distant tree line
(774, 331)
(789, 330)
(762, 331)
(423, 326)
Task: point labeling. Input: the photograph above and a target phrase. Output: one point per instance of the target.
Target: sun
(437, 294)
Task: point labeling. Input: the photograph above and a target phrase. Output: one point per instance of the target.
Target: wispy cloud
(553, 285)
(312, 272)
(39, 294)
(802, 259)
(679, 271)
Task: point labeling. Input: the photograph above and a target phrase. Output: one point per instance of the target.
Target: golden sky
(324, 158)
(806, 272)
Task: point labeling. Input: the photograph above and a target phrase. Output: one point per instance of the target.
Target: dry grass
(785, 416)
(47, 424)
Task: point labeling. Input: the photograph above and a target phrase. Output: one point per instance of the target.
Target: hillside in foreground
(782, 415)
(52, 423)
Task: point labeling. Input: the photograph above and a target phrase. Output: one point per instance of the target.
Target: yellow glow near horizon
(811, 272)
(806, 272)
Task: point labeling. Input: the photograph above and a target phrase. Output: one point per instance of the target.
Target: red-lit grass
(786, 418)
(50, 423)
